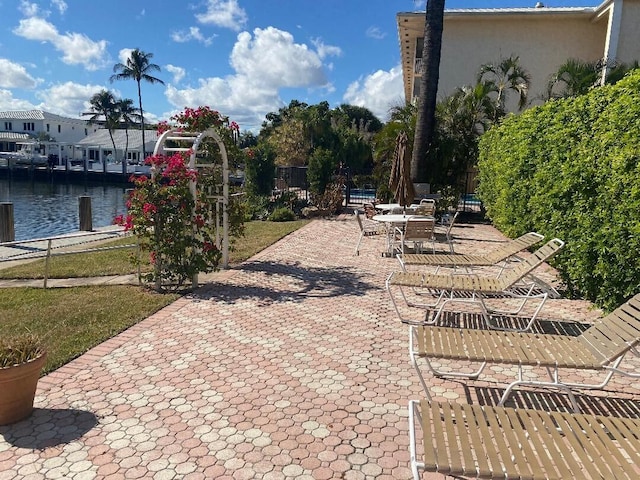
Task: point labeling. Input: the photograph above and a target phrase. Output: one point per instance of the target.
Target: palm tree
(506, 75)
(127, 114)
(425, 123)
(138, 67)
(103, 111)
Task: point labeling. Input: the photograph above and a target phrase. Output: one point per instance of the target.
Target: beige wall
(543, 43)
(629, 39)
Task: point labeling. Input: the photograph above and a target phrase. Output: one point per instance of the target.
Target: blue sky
(245, 58)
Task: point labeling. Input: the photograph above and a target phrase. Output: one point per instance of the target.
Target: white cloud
(272, 58)
(7, 102)
(124, 55)
(15, 76)
(224, 13)
(264, 64)
(61, 5)
(326, 50)
(68, 99)
(177, 72)
(194, 33)
(77, 49)
(375, 32)
(377, 92)
(28, 9)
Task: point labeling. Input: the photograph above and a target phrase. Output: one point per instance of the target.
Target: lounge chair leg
(414, 418)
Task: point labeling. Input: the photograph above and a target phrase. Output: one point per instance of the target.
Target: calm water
(43, 209)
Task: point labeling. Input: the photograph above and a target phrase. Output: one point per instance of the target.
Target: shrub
(259, 170)
(282, 214)
(571, 169)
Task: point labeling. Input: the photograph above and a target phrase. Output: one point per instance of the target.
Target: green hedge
(571, 169)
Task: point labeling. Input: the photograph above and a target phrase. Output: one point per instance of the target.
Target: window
(28, 126)
(85, 131)
(48, 126)
(8, 126)
(59, 128)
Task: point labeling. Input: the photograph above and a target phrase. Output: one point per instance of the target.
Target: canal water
(44, 209)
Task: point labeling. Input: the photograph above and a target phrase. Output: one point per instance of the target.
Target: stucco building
(25, 125)
(542, 37)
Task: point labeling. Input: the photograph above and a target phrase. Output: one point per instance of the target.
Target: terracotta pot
(17, 390)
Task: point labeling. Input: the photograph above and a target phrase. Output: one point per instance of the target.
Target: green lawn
(73, 320)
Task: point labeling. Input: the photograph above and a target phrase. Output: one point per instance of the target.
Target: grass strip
(73, 320)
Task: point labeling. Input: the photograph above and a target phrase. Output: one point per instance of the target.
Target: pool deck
(292, 365)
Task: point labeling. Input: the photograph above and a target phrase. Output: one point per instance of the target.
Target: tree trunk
(126, 149)
(425, 122)
(144, 153)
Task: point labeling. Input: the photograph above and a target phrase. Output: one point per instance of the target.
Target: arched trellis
(180, 139)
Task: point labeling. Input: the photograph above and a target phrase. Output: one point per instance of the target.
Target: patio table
(387, 207)
(394, 220)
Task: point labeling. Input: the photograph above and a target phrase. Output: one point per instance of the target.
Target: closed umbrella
(400, 180)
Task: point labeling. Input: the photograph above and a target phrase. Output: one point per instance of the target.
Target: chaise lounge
(472, 288)
(504, 443)
(601, 348)
(497, 257)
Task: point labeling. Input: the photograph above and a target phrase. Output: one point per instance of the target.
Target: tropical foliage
(138, 67)
(502, 78)
(570, 169)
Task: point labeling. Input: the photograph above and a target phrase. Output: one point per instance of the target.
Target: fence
(28, 250)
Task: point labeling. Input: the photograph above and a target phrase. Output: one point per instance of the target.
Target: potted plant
(21, 360)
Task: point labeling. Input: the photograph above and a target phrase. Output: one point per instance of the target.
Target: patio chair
(367, 228)
(443, 232)
(416, 231)
(428, 210)
(496, 257)
(472, 288)
(369, 210)
(601, 349)
(495, 442)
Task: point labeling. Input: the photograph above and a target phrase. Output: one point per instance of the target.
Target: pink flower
(149, 208)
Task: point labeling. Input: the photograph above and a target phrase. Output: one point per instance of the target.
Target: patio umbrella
(400, 180)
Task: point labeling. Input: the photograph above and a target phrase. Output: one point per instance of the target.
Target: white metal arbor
(176, 140)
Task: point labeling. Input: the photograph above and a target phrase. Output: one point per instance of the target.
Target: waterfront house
(22, 126)
(97, 146)
(542, 37)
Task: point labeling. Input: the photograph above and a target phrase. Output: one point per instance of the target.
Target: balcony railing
(417, 68)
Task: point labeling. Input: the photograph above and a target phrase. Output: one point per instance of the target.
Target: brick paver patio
(290, 366)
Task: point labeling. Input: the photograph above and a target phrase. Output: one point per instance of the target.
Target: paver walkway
(291, 366)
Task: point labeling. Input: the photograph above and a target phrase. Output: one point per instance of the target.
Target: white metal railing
(45, 248)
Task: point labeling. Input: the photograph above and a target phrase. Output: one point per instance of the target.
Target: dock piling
(86, 220)
(7, 230)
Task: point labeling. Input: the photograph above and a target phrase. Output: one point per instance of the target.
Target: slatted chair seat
(600, 348)
(473, 288)
(491, 258)
(504, 443)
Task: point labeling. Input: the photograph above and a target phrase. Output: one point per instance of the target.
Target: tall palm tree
(506, 75)
(138, 68)
(127, 114)
(425, 123)
(103, 111)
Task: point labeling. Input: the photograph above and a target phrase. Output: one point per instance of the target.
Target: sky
(244, 58)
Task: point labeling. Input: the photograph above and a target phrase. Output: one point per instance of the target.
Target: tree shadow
(49, 427)
(298, 282)
(557, 402)
(477, 322)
